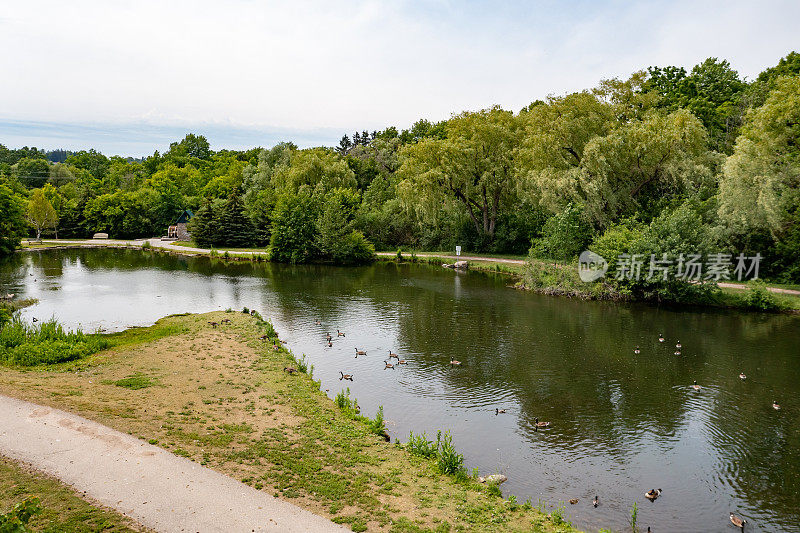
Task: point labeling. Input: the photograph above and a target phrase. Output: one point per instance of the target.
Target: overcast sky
(128, 77)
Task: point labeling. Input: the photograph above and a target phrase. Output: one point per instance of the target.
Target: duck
(499, 411)
(660, 337)
(393, 355)
(596, 501)
(289, 370)
(339, 333)
(342, 376)
(360, 352)
(652, 494)
(573, 501)
(738, 521)
(695, 386)
(636, 350)
(775, 405)
(742, 376)
(453, 362)
(540, 424)
(388, 365)
(678, 346)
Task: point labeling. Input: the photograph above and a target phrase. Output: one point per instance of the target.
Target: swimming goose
(738, 521)
(360, 352)
(328, 336)
(339, 333)
(695, 386)
(660, 337)
(317, 322)
(776, 406)
(540, 424)
(499, 411)
(453, 362)
(393, 355)
(402, 362)
(652, 494)
(677, 352)
(742, 376)
(330, 344)
(636, 350)
(573, 501)
(345, 376)
(388, 365)
(678, 346)
(596, 501)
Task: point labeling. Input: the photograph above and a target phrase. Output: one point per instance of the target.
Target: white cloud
(306, 65)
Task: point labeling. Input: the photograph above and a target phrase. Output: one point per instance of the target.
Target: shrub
(759, 298)
(45, 344)
(564, 235)
(16, 520)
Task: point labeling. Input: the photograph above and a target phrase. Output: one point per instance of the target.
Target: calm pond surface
(621, 423)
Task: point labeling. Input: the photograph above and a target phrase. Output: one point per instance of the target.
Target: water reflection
(621, 423)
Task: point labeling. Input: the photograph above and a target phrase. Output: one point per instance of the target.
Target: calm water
(621, 423)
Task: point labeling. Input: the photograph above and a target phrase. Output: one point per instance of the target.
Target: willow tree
(760, 184)
(473, 164)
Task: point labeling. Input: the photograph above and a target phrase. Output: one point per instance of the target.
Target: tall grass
(47, 343)
(448, 460)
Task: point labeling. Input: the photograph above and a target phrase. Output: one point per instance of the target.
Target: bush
(45, 344)
(759, 298)
(564, 235)
(16, 520)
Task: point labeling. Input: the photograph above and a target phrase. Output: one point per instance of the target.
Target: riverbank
(539, 276)
(219, 396)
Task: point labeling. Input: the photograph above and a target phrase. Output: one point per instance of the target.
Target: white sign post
(458, 250)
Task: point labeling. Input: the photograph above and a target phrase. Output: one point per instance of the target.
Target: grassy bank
(220, 396)
(61, 508)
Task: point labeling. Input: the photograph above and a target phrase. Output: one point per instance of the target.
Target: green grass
(62, 508)
(134, 382)
(46, 343)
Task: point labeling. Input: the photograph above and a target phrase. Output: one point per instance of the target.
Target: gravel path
(154, 487)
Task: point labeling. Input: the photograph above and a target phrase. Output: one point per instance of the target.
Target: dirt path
(154, 487)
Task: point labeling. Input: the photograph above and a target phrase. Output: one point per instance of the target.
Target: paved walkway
(157, 489)
(167, 245)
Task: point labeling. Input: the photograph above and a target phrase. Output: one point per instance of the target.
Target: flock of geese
(694, 385)
(652, 494)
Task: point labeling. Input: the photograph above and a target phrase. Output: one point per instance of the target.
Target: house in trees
(178, 230)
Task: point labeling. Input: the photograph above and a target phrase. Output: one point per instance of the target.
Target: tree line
(700, 159)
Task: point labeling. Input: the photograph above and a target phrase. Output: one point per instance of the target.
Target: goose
(677, 352)
(289, 370)
(360, 352)
(499, 411)
(330, 344)
(402, 362)
(276, 347)
(573, 501)
(328, 336)
(738, 521)
(695, 386)
(775, 405)
(636, 350)
(339, 333)
(596, 501)
(453, 362)
(678, 346)
(253, 312)
(660, 337)
(345, 376)
(37, 320)
(264, 337)
(393, 355)
(388, 365)
(225, 321)
(213, 324)
(652, 494)
(540, 424)
(317, 322)
(742, 376)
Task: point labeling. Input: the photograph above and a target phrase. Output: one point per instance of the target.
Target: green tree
(237, 229)
(41, 213)
(293, 238)
(12, 221)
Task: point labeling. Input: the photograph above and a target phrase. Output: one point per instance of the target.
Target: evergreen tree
(344, 145)
(236, 228)
(204, 226)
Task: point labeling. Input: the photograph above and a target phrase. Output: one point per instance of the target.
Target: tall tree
(12, 221)
(41, 213)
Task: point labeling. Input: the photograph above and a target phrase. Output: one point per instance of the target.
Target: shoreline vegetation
(528, 273)
(222, 396)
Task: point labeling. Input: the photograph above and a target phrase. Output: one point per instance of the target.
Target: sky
(127, 78)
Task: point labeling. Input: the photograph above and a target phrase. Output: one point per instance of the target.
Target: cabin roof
(185, 217)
